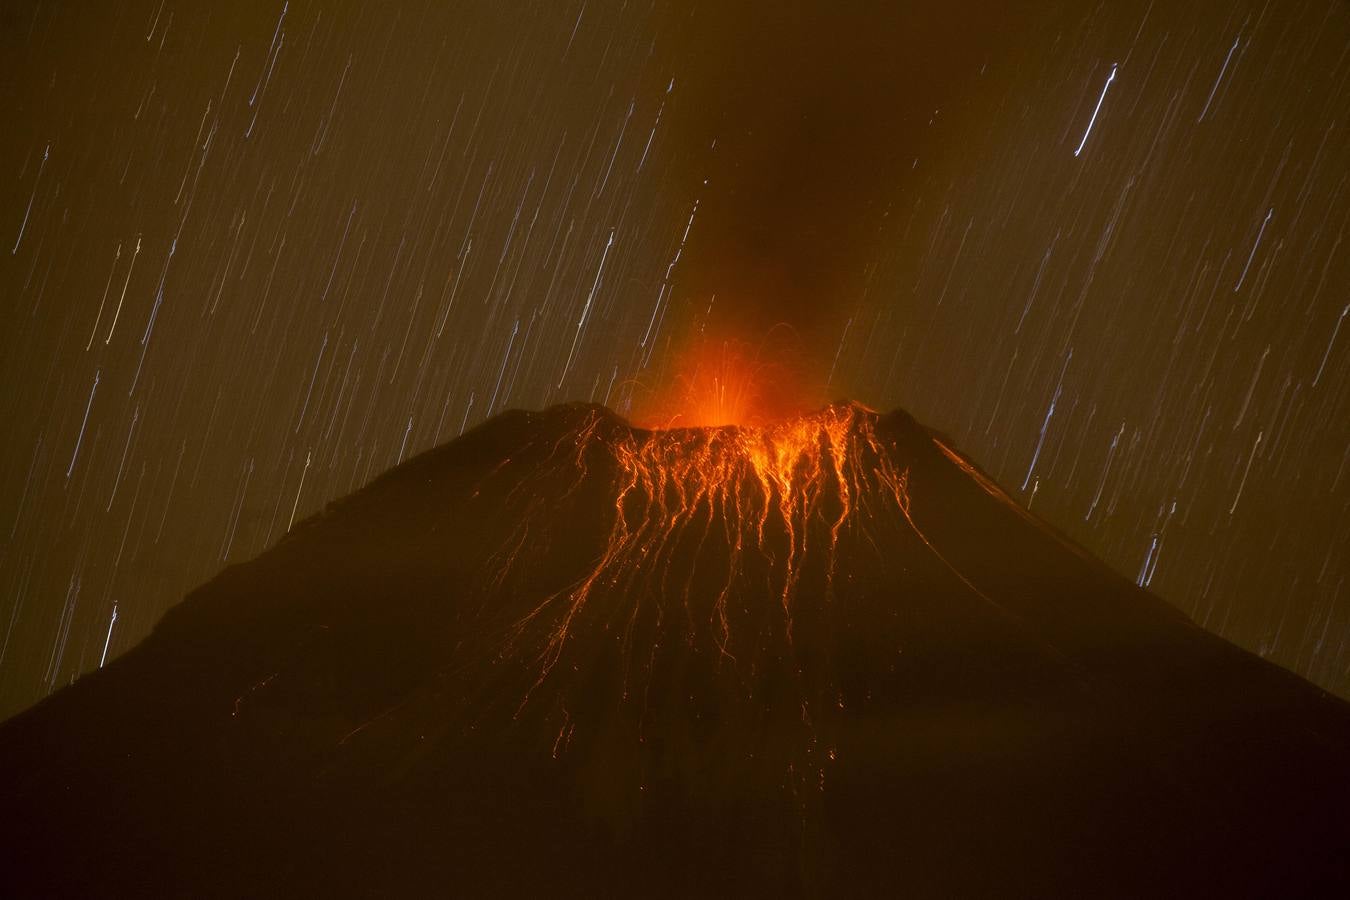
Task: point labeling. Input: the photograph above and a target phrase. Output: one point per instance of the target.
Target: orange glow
(716, 389)
(776, 497)
(727, 382)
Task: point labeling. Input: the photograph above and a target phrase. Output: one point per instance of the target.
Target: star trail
(260, 253)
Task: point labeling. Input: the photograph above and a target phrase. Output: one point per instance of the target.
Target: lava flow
(702, 517)
(567, 656)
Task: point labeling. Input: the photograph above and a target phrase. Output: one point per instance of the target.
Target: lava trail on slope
(820, 657)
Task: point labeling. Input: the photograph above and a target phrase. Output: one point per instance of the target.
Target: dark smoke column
(806, 120)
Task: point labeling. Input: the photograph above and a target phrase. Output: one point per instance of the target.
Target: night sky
(255, 254)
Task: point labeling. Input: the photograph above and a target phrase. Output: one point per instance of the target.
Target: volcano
(565, 656)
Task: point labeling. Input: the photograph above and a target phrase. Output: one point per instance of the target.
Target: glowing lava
(703, 517)
(730, 382)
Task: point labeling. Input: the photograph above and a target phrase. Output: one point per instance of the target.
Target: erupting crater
(813, 655)
(703, 514)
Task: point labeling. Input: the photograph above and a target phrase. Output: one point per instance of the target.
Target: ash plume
(800, 123)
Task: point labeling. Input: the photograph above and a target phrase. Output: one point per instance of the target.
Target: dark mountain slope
(561, 655)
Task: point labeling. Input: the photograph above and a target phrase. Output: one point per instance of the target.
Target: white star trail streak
(1321, 366)
(1098, 108)
(520, 205)
(1222, 70)
(586, 310)
(123, 296)
(42, 167)
(107, 640)
(1045, 424)
(299, 490)
(83, 423)
(1252, 255)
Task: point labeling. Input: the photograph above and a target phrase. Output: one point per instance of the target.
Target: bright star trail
(1095, 110)
(261, 253)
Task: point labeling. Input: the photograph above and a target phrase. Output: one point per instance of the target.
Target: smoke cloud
(806, 119)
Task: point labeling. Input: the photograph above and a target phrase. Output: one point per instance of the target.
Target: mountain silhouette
(565, 656)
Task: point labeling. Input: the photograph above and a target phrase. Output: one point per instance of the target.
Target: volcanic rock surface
(564, 656)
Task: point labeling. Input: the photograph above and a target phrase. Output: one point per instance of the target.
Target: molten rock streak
(704, 517)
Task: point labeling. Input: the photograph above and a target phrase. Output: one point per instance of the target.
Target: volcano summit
(562, 655)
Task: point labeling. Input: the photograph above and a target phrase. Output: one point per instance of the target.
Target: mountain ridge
(562, 652)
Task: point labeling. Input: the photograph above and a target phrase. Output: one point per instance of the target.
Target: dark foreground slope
(560, 656)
